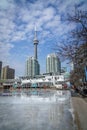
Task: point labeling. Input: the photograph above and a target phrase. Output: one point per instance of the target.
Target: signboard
(86, 73)
(14, 85)
(34, 85)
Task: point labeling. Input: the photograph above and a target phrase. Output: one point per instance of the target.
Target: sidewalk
(80, 111)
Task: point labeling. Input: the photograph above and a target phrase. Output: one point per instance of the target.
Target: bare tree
(77, 40)
(67, 49)
(76, 76)
(80, 19)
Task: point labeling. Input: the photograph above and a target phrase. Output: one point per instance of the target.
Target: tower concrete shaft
(35, 44)
(35, 51)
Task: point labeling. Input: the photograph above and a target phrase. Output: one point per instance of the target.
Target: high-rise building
(7, 73)
(0, 68)
(32, 67)
(53, 64)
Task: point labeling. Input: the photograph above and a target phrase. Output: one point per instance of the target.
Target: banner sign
(86, 73)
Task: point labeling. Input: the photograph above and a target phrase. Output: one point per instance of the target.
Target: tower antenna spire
(35, 28)
(35, 35)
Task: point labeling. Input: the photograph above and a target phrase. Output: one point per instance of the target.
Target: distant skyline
(17, 23)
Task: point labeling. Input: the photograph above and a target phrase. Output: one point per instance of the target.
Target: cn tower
(35, 43)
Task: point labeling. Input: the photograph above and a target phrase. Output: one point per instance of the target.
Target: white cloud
(17, 36)
(5, 52)
(48, 13)
(19, 28)
(3, 4)
(17, 24)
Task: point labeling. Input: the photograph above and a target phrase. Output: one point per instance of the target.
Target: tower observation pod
(35, 43)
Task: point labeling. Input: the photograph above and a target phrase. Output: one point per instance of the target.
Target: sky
(18, 19)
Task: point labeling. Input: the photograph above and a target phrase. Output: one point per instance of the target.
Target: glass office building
(53, 64)
(32, 67)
